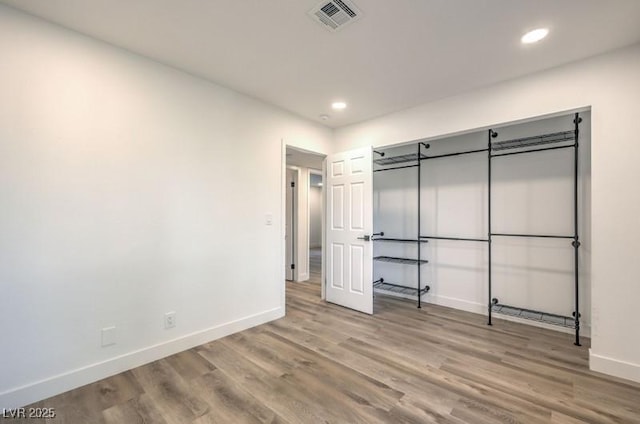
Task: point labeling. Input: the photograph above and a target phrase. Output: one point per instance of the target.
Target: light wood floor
(315, 265)
(323, 364)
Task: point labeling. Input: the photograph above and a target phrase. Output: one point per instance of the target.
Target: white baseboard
(614, 367)
(449, 302)
(302, 277)
(455, 303)
(51, 386)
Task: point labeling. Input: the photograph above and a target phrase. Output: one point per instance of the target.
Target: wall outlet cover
(108, 336)
(169, 320)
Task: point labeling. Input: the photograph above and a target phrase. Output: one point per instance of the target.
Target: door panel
(337, 211)
(350, 208)
(357, 206)
(357, 270)
(337, 168)
(337, 256)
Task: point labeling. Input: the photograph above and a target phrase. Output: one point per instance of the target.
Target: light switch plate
(268, 219)
(108, 336)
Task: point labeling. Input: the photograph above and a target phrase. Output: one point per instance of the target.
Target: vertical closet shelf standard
(380, 284)
(530, 145)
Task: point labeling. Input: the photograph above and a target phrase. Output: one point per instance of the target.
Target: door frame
(320, 172)
(295, 228)
(323, 282)
(283, 217)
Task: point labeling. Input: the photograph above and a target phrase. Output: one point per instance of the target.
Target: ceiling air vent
(335, 14)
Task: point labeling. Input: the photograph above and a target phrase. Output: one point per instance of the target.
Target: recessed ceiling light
(338, 105)
(534, 36)
(324, 117)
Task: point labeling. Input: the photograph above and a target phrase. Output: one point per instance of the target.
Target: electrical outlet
(268, 219)
(169, 320)
(108, 336)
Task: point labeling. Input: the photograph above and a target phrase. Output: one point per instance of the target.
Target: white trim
(295, 230)
(447, 302)
(313, 171)
(323, 280)
(455, 303)
(614, 367)
(54, 385)
(283, 223)
(302, 231)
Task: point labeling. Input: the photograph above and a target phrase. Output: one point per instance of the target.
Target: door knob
(365, 238)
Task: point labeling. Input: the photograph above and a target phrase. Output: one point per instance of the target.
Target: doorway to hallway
(304, 214)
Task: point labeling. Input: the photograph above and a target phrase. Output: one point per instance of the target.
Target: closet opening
(495, 222)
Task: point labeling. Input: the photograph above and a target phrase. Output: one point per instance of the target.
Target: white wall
(315, 216)
(122, 200)
(611, 86)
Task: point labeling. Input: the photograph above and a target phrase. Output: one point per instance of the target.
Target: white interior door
(349, 191)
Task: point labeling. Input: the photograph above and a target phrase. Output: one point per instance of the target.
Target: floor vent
(335, 14)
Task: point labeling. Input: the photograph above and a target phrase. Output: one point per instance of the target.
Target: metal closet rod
(532, 235)
(394, 168)
(453, 238)
(454, 154)
(397, 160)
(400, 240)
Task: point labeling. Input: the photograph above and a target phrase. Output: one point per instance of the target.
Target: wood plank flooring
(315, 265)
(326, 364)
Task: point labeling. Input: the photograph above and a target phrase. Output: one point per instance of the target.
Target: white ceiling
(400, 54)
